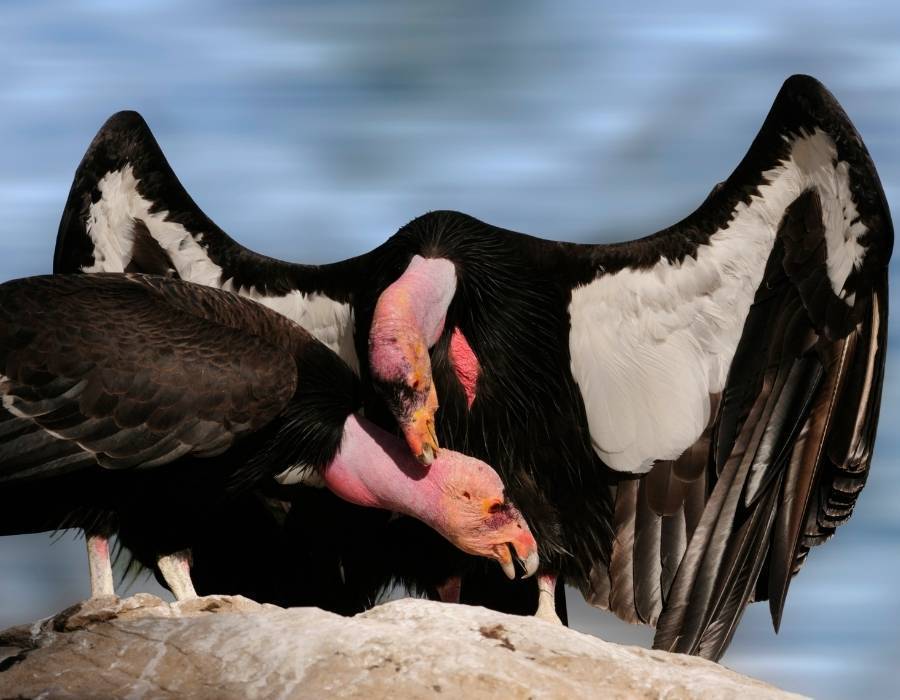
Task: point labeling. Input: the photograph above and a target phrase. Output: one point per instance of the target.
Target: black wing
(789, 440)
(127, 371)
(127, 212)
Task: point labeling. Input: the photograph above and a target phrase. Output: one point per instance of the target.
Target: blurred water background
(311, 131)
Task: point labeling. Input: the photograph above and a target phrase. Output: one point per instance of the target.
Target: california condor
(142, 405)
(680, 418)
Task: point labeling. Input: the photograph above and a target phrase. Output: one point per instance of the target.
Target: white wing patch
(329, 321)
(301, 474)
(110, 225)
(649, 347)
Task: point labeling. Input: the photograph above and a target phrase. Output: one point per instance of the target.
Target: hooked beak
(523, 548)
(410, 394)
(419, 430)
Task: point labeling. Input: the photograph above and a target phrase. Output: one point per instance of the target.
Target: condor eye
(496, 507)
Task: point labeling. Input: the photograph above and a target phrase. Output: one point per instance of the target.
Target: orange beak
(419, 431)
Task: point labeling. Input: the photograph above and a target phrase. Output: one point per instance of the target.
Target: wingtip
(122, 136)
(776, 621)
(803, 81)
(124, 120)
(776, 609)
(810, 93)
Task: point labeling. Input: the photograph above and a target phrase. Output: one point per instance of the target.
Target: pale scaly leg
(547, 598)
(449, 589)
(176, 570)
(99, 565)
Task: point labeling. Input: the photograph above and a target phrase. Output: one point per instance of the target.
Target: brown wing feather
(656, 516)
(647, 562)
(830, 462)
(621, 565)
(777, 478)
(109, 370)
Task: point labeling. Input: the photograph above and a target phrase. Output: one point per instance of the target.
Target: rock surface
(230, 647)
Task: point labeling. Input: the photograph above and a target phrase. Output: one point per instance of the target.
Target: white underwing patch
(110, 225)
(649, 347)
(329, 321)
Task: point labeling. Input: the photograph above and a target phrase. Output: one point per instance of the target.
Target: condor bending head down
(145, 403)
(409, 318)
(681, 417)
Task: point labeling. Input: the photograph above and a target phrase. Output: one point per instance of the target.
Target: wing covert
(106, 370)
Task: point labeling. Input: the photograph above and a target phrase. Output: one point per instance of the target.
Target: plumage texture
(782, 401)
(144, 404)
(127, 211)
(679, 417)
(169, 386)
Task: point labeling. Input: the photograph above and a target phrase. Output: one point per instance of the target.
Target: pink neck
(465, 364)
(420, 297)
(373, 468)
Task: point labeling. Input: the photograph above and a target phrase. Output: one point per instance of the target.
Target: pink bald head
(409, 318)
(459, 496)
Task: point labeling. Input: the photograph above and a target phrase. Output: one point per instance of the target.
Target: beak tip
(531, 563)
(429, 452)
(509, 569)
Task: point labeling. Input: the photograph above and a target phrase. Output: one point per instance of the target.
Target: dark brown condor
(144, 406)
(680, 418)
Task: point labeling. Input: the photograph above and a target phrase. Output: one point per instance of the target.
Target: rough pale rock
(231, 647)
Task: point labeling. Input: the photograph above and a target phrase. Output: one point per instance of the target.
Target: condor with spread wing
(680, 417)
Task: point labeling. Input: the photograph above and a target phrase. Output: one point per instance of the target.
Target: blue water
(312, 131)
